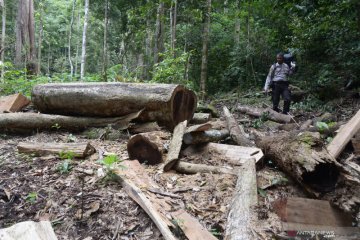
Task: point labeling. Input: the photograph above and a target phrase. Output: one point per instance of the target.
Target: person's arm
(292, 68)
(268, 79)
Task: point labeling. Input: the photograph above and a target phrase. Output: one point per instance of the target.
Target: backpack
(288, 58)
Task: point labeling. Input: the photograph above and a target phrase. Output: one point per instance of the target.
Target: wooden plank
(13, 103)
(29, 230)
(175, 145)
(241, 215)
(344, 135)
(80, 150)
(191, 227)
(235, 154)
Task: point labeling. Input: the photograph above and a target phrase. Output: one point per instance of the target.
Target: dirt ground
(81, 204)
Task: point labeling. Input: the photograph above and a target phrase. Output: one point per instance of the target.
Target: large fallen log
(205, 136)
(191, 168)
(235, 131)
(35, 121)
(80, 150)
(148, 147)
(302, 157)
(241, 215)
(167, 104)
(345, 134)
(266, 113)
(175, 146)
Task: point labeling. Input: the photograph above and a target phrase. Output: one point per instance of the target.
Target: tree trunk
(173, 17)
(168, 104)
(201, 118)
(242, 216)
(206, 136)
(41, 31)
(83, 49)
(70, 37)
(80, 150)
(25, 35)
(148, 47)
(77, 47)
(237, 25)
(148, 147)
(191, 168)
(302, 157)
(159, 33)
(235, 131)
(17, 122)
(204, 60)
(106, 20)
(3, 35)
(226, 7)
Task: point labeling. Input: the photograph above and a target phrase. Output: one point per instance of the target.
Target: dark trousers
(281, 89)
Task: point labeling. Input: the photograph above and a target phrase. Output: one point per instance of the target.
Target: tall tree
(83, 49)
(70, 37)
(204, 59)
(237, 24)
(25, 35)
(105, 57)
(3, 35)
(159, 32)
(173, 17)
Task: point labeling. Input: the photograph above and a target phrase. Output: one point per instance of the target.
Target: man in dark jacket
(277, 79)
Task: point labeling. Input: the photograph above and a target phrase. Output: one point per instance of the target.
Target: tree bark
(77, 47)
(266, 113)
(159, 33)
(105, 57)
(173, 17)
(83, 49)
(3, 35)
(25, 35)
(168, 104)
(201, 118)
(237, 25)
(70, 37)
(175, 145)
(148, 147)
(204, 59)
(41, 31)
(302, 157)
(241, 215)
(17, 122)
(80, 150)
(191, 168)
(235, 131)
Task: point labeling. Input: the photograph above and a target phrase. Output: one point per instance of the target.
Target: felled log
(235, 155)
(191, 168)
(198, 128)
(205, 136)
(301, 156)
(13, 103)
(241, 215)
(29, 230)
(80, 150)
(343, 137)
(199, 118)
(34, 121)
(175, 146)
(168, 104)
(235, 131)
(148, 147)
(208, 108)
(267, 113)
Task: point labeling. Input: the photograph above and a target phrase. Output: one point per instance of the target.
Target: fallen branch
(206, 136)
(199, 118)
(266, 113)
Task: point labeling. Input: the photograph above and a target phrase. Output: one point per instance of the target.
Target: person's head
(280, 58)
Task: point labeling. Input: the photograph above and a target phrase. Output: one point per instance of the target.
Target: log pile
(144, 110)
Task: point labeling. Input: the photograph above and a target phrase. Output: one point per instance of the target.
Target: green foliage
(67, 155)
(111, 162)
(322, 127)
(32, 197)
(65, 167)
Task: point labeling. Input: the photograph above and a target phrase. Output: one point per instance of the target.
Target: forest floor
(83, 205)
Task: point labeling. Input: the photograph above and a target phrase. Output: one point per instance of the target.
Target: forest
(209, 46)
(179, 120)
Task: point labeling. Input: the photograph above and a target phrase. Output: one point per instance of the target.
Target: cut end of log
(323, 178)
(183, 105)
(144, 150)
